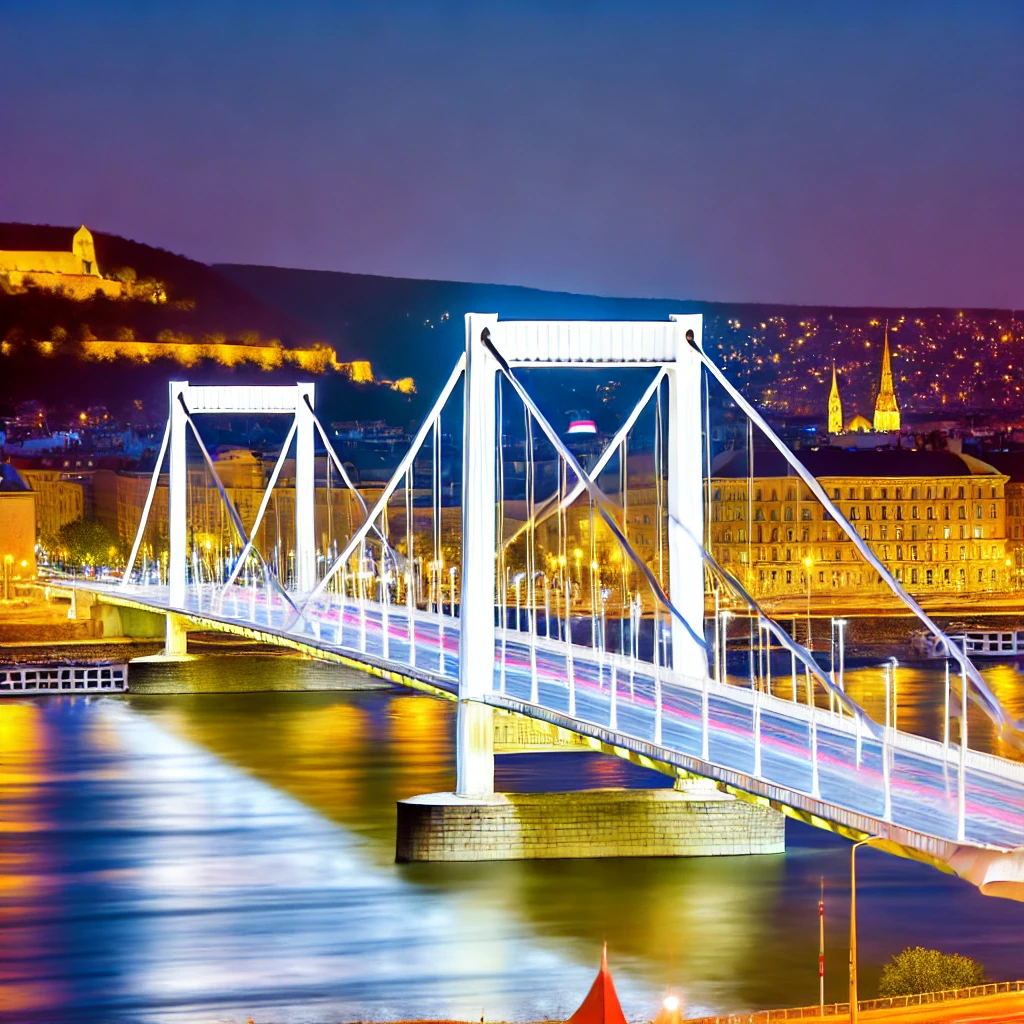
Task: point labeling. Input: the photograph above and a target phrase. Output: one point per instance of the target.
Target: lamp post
(854, 1008)
(808, 565)
(451, 589)
(516, 582)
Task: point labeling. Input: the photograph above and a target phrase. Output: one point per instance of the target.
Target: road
(851, 764)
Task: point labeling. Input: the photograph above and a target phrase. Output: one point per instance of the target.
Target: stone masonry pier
(695, 821)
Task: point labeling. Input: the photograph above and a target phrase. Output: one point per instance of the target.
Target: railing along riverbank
(864, 1005)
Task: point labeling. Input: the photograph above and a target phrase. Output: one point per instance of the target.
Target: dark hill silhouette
(945, 361)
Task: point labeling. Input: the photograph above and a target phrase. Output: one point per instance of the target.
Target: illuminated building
(887, 412)
(835, 406)
(935, 519)
(60, 498)
(860, 432)
(75, 273)
(17, 529)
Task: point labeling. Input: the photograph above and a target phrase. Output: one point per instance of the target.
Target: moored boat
(28, 678)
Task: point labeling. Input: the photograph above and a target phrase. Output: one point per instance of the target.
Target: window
(759, 516)
(945, 575)
(757, 494)
(788, 516)
(960, 492)
(978, 512)
(835, 493)
(913, 512)
(885, 494)
(913, 533)
(867, 493)
(899, 552)
(963, 553)
(853, 493)
(914, 493)
(867, 533)
(883, 532)
(913, 552)
(913, 575)
(789, 536)
(885, 552)
(929, 576)
(741, 536)
(899, 533)
(789, 554)
(805, 535)
(899, 493)
(790, 496)
(716, 494)
(945, 511)
(867, 511)
(931, 513)
(991, 511)
(805, 514)
(945, 492)
(839, 554)
(854, 514)
(885, 511)
(775, 535)
(945, 533)
(928, 494)
(961, 512)
(775, 554)
(789, 575)
(774, 515)
(821, 577)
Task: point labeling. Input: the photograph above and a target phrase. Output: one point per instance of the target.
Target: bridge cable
(599, 497)
(1010, 729)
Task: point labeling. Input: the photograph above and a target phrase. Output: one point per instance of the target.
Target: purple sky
(862, 153)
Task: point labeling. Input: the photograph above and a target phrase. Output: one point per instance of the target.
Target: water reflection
(223, 855)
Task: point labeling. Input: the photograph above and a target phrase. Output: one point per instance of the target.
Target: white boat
(978, 642)
(30, 678)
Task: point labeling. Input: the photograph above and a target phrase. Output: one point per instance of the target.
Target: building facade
(935, 519)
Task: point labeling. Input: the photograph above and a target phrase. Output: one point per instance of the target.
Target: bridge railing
(864, 1005)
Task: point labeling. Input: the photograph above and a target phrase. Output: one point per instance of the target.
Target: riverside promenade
(995, 1003)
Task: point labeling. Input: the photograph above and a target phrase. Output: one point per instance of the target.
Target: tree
(85, 542)
(927, 970)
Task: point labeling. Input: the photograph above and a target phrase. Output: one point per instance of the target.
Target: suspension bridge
(511, 620)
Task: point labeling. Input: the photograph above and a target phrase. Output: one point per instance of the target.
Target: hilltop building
(75, 273)
(860, 432)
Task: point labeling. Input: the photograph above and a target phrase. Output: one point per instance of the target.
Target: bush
(927, 970)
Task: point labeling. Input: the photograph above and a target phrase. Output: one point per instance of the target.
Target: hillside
(945, 361)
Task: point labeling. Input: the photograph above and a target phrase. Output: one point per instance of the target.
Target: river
(219, 856)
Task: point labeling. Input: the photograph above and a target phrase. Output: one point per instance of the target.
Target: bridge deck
(757, 744)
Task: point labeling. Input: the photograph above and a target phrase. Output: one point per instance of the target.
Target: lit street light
(854, 1008)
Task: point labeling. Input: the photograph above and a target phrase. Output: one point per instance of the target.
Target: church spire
(835, 406)
(887, 412)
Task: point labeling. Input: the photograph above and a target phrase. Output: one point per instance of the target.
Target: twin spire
(887, 412)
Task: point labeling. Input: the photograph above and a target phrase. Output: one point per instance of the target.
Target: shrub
(927, 970)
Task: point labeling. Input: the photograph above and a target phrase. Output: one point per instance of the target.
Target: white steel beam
(305, 487)
(686, 498)
(177, 495)
(474, 731)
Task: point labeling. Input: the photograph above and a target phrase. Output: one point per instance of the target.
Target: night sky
(841, 153)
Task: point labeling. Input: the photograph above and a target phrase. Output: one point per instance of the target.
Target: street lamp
(853, 924)
(808, 565)
(516, 581)
(451, 589)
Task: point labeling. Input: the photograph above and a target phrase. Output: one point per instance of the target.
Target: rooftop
(897, 463)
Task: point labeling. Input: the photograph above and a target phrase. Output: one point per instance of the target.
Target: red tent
(602, 1004)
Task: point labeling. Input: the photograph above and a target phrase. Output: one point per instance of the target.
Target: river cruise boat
(29, 678)
(978, 642)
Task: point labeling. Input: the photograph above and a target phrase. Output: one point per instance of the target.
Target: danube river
(212, 857)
